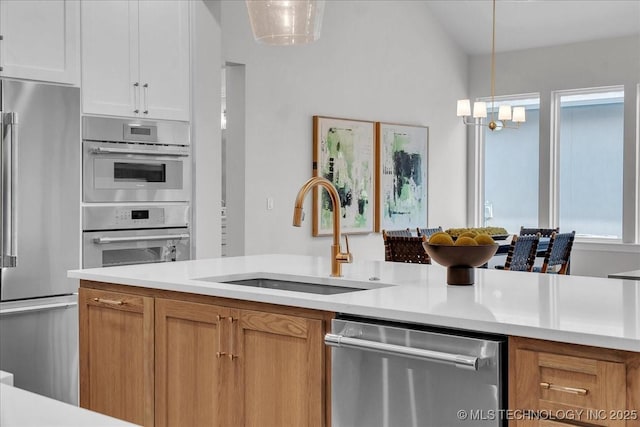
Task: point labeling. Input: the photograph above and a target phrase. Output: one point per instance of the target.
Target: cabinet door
(278, 369)
(110, 57)
(557, 383)
(191, 384)
(40, 40)
(116, 355)
(164, 59)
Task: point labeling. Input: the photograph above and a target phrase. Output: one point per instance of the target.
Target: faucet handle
(346, 256)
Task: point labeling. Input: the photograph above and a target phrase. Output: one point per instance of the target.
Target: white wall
(205, 123)
(376, 60)
(234, 156)
(578, 65)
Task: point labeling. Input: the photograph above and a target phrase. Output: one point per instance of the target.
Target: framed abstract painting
(343, 152)
(401, 176)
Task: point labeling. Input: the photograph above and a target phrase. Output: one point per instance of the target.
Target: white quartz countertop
(21, 408)
(582, 310)
(6, 378)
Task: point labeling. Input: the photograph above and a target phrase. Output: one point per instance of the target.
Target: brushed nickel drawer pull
(109, 301)
(572, 390)
(146, 98)
(219, 353)
(136, 96)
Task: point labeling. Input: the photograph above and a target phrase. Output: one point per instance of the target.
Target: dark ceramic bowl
(460, 260)
(460, 256)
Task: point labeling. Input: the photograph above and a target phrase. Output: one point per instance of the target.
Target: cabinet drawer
(117, 301)
(557, 382)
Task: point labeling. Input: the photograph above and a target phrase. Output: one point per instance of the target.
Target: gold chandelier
(480, 108)
(285, 22)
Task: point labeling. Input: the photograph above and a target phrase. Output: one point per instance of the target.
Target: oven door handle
(458, 360)
(105, 240)
(108, 150)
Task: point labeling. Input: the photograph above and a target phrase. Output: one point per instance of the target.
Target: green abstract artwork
(344, 154)
(403, 176)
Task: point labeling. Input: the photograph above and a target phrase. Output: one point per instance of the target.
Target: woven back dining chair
(405, 249)
(406, 232)
(427, 232)
(522, 253)
(544, 232)
(558, 253)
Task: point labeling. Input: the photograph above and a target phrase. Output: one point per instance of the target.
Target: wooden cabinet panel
(170, 359)
(40, 40)
(191, 385)
(116, 347)
(279, 370)
(570, 383)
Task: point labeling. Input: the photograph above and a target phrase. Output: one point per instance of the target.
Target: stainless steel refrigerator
(40, 236)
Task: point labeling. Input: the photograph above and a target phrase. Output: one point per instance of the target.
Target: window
(511, 164)
(584, 185)
(589, 128)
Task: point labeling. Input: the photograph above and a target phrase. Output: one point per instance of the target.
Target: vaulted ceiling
(524, 24)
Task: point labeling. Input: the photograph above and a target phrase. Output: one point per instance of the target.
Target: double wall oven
(136, 191)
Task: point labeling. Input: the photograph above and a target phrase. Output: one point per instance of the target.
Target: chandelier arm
(504, 124)
(493, 62)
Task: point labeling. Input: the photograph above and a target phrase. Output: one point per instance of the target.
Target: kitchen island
(572, 309)
(587, 317)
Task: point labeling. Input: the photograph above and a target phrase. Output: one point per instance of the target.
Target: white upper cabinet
(40, 40)
(135, 58)
(110, 58)
(164, 58)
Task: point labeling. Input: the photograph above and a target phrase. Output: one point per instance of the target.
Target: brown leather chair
(404, 232)
(428, 231)
(405, 249)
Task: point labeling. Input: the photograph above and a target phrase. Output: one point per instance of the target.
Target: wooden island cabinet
(116, 354)
(553, 384)
(167, 358)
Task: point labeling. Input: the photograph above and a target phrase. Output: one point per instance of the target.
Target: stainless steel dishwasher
(397, 375)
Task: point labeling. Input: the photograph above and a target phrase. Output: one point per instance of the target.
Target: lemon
(440, 238)
(471, 234)
(484, 239)
(466, 241)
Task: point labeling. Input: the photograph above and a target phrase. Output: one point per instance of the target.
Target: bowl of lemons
(469, 250)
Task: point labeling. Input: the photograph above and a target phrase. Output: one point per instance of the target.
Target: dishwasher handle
(458, 360)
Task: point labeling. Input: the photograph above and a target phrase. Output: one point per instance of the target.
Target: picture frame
(344, 153)
(401, 176)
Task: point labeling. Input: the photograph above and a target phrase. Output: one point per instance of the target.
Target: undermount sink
(337, 287)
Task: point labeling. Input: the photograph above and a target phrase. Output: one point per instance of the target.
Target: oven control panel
(140, 218)
(120, 217)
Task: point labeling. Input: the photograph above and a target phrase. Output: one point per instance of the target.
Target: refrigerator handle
(8, 174)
